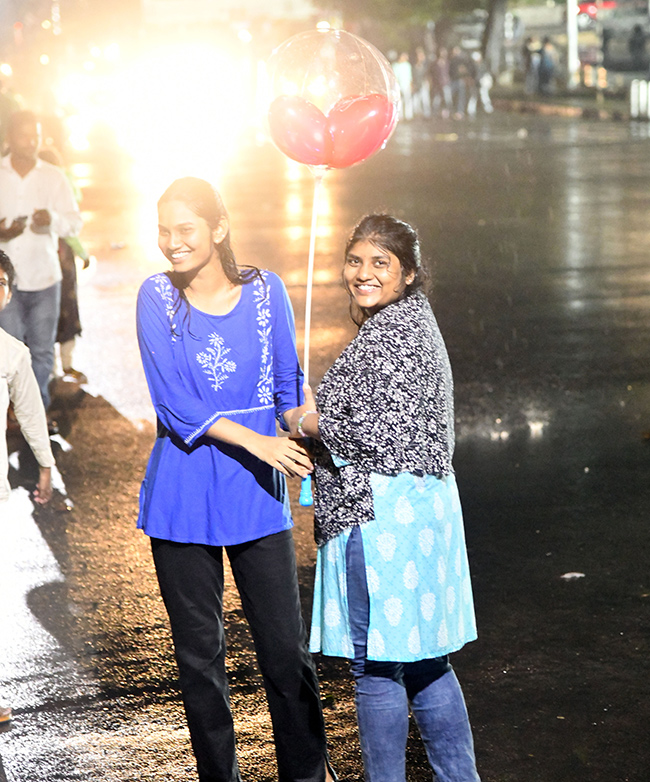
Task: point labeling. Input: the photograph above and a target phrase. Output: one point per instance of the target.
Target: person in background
(392, 589)
(37, 207)
(441, 101)
(421, 86)
(479, 93)
(69, 326)
(404, 74)
(547, 68)
(530, 59)
(218, 348)
(636, 46)
(458, 75)
(18, 387)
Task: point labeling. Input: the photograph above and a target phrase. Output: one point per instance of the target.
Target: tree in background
(390, 19)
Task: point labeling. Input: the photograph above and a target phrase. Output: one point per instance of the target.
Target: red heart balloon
(299, 129)
(359, 127)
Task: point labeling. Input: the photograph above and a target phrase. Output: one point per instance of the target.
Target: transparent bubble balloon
(333, 98)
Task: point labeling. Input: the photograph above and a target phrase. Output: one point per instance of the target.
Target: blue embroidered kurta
(199, 368)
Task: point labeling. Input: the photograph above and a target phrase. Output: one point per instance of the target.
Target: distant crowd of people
(452, 83)
(540, 61)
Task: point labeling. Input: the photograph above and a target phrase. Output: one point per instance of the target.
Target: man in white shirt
(18, 386)
(37, 206)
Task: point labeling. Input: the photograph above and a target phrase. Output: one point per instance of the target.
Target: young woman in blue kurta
(241, 366)
(218, 350)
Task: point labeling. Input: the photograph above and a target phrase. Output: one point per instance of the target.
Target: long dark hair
(390, 234)
(201, 198)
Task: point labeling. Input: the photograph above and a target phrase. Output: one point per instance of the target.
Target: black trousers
(191, 584)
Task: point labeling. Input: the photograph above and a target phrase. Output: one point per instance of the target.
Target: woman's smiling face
(373, 276)
(186, 239)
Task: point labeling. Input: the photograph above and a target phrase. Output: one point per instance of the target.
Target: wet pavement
(537, 232)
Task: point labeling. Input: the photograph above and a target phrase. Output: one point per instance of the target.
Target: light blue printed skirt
(417, 572)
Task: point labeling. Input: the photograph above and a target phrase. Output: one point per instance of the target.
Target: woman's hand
(310, 423)
(288, 456)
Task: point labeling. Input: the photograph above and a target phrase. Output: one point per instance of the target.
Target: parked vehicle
(595, 10)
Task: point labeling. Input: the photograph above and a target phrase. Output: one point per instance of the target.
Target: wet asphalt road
(537, 232)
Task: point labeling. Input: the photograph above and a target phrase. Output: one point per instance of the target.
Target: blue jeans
(191, 584)
(33, 317)
(385, 690)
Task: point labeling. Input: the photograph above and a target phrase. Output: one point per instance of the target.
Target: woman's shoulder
(158, 295)
(156, 283)
(273, 280)
(269, 286)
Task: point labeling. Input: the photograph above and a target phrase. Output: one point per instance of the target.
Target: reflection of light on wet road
(26, 562)
(34, 669)
(530, 422)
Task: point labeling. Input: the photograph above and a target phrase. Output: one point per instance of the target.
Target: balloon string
(318, 178)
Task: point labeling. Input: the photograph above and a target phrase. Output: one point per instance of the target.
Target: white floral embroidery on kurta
(372, 579)
(442, 570)
(332, 615)
(348, 647)
(451, 598)
(376, 644)
(411, 575)
(386, 545)
(443, 635)
(164, 287)
(455, 501)
(439, 507)
(261, 296)
(428, 605)
(393, 610)
(214, 362)
(380, 484)
(425, 539)
(404, 511)
(448, 531)
(414, 640)
(343, 585)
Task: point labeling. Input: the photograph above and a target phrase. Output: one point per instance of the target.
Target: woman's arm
(287, 374)
(286, 455)
(303, 421)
